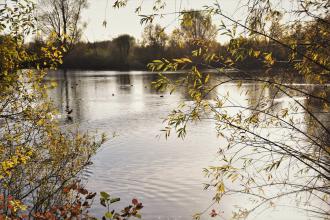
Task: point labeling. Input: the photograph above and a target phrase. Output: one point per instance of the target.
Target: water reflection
(165, 174)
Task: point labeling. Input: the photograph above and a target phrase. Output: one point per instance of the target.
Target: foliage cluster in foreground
(39, 160)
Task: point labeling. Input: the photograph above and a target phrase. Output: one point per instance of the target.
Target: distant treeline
(111, 56)
(126, 53)
(120, 55)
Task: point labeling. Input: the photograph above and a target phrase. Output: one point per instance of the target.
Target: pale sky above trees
(125, 21)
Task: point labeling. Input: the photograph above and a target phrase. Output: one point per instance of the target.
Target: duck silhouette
(69, 111)
(69, 118)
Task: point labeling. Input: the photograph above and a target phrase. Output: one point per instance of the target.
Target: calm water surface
(166, 175)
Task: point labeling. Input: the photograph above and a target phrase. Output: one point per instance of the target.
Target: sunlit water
(166, 175)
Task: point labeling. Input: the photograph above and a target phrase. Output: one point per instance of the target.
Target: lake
(165, 175)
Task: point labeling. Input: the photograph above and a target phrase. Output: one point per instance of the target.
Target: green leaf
(104, 195)
(207, 78)
(108, 215)
(114, 200)
(102, 202)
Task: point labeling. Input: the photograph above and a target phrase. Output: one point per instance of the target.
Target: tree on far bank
(61, 19)
(125, 44)
(197, 25)
(154, 36)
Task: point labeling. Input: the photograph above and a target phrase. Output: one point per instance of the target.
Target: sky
(125, 21)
